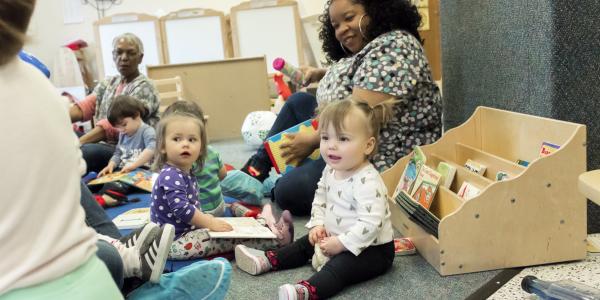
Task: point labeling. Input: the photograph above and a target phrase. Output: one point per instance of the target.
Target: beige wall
(48, 31)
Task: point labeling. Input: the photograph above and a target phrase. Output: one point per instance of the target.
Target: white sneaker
(293, 292)
(251, 261)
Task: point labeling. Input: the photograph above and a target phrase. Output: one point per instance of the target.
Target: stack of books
(417, 187)
(418, 214)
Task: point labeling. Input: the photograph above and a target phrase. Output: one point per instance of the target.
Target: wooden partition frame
(536, 217)
(261, 6)
(227, 90)
(194, 14)
(311, 27)
(128, 20)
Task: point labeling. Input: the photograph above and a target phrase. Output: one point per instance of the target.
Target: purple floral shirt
(174, 199)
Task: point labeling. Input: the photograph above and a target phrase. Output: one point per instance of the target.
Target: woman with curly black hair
(374, 52)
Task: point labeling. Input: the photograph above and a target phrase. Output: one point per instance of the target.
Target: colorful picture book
(548, 148)
(475, 167)
(273, 146)
(501, 175)
(404, 246)
(244, 227)
(139, 178)
(417, 213)
(468, 190)
(133, 218)
(448, 172)
(409, 176)
(426, 186)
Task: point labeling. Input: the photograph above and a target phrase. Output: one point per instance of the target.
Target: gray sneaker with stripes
(154, 254)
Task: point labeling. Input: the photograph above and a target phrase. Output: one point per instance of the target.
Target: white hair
(130, 38)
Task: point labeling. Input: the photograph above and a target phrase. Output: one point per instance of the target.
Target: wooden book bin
(538, 216)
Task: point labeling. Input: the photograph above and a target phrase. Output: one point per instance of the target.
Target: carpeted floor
(411, 277)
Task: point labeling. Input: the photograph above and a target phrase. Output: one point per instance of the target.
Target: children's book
(547, 149)
(417, 159)
(448, 172)
(404, 246)
(501, 175)
(426, 186)
(244, 228)
(133, 218)
(139, 178)
(418, 213)
(273, 146)
(475, 167)
(468, 190)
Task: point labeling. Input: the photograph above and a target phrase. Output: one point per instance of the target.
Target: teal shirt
(209, 188)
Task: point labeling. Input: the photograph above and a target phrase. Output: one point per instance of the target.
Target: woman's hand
(316, 234)
(219, 225)
(298, 147)
(312, 74)
(331, 246)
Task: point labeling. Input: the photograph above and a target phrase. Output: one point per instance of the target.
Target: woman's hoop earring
(344, 49)
(360, 27)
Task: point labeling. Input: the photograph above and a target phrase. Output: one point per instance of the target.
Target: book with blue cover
(273, 146)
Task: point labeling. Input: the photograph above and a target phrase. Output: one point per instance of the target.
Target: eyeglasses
(128, 53)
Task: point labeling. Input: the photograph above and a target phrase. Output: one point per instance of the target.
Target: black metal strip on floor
(494, 284)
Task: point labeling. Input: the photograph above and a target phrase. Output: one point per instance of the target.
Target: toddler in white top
(350, 219)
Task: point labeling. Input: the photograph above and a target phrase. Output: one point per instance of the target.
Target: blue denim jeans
(109, 255)
(95, 216)
(295, 190)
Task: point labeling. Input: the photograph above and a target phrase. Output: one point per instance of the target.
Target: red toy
(282, 88)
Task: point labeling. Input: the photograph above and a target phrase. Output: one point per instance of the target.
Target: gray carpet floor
(411, 277)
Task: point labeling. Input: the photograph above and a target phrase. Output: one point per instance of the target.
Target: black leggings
(342, 270)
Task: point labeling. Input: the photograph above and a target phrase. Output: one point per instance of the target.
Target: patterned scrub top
(394, 63)
(140, 88)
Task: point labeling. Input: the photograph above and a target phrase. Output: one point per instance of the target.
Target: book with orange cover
(139, 178)
(273, 146)
(426, 185)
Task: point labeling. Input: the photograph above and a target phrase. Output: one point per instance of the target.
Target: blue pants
(295, 190)
(97, 155)
(95, 216)
(109, 255)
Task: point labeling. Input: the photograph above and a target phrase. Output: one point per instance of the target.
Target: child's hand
(297, 147)
(331, 246)
(219, 225)
(128, 168)
(107, 170)
(316, 234)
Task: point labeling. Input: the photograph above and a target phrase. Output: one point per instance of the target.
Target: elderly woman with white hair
(128, 52)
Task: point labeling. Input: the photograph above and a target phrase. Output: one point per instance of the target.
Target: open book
(139, 178)
(133, 218)
(244, 228)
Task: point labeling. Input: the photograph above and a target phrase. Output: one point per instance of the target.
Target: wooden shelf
(494, 163)
(536, 217)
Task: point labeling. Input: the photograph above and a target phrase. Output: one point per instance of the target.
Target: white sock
(130, 257)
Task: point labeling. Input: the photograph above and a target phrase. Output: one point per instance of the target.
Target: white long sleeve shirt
(43, 235)
(354, 209)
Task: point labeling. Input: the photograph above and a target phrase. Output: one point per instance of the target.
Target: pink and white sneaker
(293, 292)
(251, 261)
